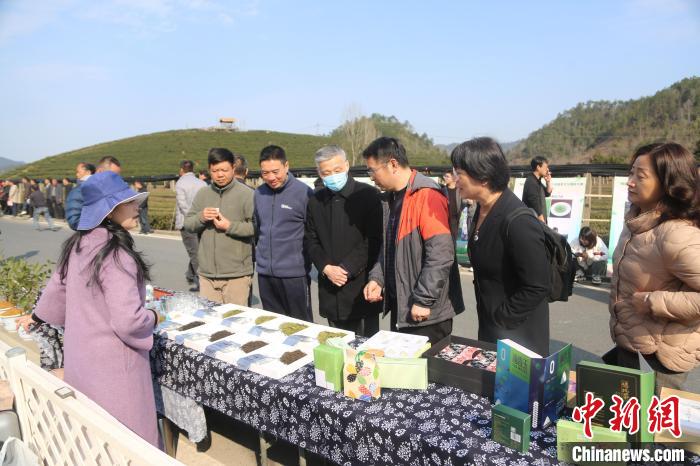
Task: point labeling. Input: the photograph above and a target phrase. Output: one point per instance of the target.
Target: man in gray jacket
(186, 189)
(222, 215)
(416, 275)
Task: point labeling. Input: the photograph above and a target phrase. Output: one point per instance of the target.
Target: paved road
(583, 320)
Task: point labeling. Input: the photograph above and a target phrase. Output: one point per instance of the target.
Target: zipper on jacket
(396, 288)
(396, 243)
(617, 294)
(272, 221)
(216, 267)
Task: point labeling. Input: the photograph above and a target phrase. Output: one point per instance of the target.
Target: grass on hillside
(160, 153)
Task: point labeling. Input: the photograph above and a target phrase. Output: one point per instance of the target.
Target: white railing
(4, 367)
(64, 427)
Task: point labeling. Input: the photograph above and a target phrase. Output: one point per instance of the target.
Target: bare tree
(357, 132)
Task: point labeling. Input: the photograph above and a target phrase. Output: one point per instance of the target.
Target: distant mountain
(355, 135)
(6, 164)
(447, 148)
(506, 146)
(605, 131)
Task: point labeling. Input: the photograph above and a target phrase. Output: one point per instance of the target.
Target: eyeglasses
(372, 171)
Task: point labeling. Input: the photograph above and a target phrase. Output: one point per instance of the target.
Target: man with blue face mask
(343, 237)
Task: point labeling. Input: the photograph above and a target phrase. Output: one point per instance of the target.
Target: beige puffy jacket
(662, 260)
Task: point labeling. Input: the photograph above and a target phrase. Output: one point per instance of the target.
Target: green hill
(160, 153)
(605, 131)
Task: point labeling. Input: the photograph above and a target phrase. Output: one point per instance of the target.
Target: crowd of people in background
(380, 250)
(27, 197)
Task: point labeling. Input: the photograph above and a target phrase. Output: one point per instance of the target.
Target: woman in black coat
(511, 270)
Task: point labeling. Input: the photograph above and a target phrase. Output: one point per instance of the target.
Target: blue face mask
(336, 182)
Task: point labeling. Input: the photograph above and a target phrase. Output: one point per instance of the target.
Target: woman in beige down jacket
(655, 295)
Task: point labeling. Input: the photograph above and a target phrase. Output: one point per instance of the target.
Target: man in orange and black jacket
(416, 275)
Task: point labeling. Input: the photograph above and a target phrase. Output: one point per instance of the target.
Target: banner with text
(620, 206)
(564, 206)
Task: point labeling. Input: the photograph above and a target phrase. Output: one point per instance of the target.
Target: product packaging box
(361, 374)
(605, 380)
(328, 367)
(510, 427)
(531, 383)
(688, 420)
(471, 379)
(406, 373)
(570, 434)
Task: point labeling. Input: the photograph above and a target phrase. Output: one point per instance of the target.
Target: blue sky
(75, 73)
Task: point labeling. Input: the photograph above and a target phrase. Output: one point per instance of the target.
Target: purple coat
(108, 334)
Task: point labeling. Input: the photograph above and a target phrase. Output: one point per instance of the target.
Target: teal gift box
(328, 367)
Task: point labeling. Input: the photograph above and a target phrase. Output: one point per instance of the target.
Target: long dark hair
(589, 235)
(678, 173)
(119, 238)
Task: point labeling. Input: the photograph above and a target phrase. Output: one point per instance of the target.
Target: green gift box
(570, 434)
(408, 373)
(328, 367)
(510, 427)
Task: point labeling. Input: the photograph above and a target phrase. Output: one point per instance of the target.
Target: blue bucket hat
(102, 193)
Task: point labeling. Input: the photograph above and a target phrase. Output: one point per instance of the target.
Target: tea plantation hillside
(160, 153)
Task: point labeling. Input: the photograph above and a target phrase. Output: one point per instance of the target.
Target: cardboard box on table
(328, 367)
(689, 421)
(401, 365)
(511, 428)
(530, 383)
(403, 373)
(605, 380)
(570, 434)
(471, 379)
(406, 373)
(361, 377)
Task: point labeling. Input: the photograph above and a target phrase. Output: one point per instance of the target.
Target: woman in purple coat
(97, 294)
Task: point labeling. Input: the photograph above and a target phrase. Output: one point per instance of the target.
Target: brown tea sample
(252, 346)
(219, 335)
(291, 356)
(194, 324)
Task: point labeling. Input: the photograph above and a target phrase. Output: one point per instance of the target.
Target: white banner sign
(564, 206)
(620, 206)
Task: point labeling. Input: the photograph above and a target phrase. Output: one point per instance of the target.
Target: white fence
(63, 427)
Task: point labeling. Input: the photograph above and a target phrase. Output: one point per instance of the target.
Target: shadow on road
(602, 294)
(26, 255)
(578, 354)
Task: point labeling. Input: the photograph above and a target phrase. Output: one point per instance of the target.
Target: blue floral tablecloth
(438, 426)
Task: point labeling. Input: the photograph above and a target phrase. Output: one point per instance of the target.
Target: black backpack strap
(515, 214)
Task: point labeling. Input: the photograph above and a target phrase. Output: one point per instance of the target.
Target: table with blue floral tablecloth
(438, 426)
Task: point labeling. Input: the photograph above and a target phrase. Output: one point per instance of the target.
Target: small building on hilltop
(227, 123)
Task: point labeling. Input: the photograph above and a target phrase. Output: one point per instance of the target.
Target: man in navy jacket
(280, 215)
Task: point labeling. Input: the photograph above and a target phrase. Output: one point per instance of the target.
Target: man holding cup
(223, 215)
